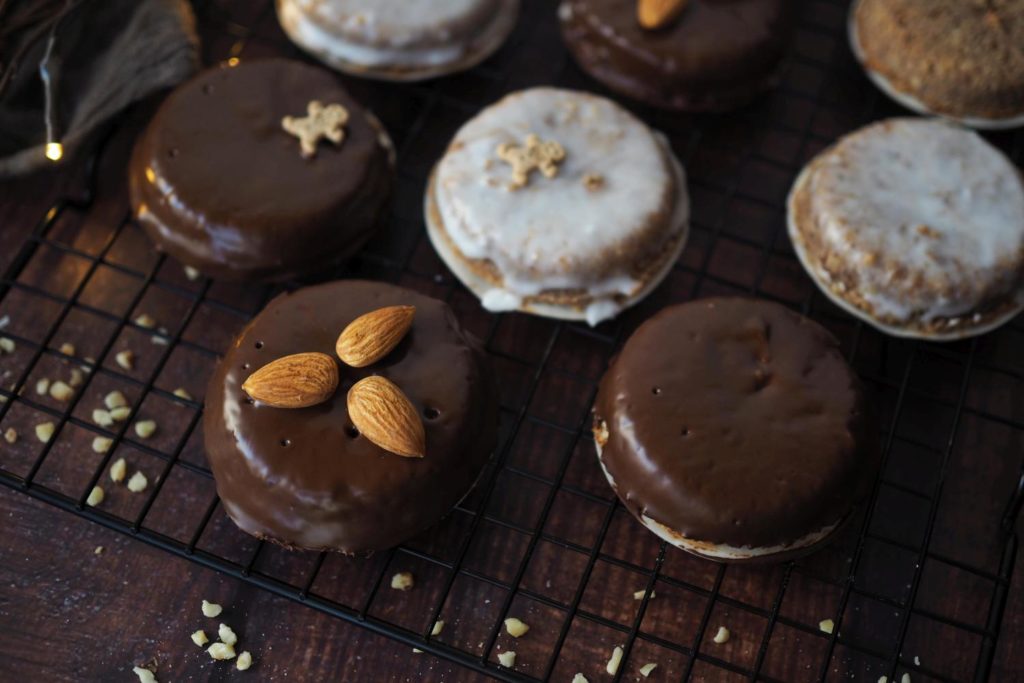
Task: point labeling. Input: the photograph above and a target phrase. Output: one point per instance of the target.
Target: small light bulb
(54, 151)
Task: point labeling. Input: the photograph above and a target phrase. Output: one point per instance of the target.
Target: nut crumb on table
(402, 581)
(211, 609)
(722, 636)
(145, 675)
(507, 659)
(613, 663)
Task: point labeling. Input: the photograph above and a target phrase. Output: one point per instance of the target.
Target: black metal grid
(940, 402)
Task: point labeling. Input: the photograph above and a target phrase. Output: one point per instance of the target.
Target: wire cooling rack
(917, 583)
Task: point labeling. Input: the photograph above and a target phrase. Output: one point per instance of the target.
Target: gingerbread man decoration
(319, 122)
(535, 155)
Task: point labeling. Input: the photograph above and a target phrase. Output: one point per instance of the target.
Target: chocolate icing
(219, 185)
(736, 421)
(305, 477)
(717, 55)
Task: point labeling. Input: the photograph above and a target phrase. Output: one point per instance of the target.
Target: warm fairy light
(233, 61)
(54, 151)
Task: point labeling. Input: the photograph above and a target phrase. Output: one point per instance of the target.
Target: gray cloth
(106, 55)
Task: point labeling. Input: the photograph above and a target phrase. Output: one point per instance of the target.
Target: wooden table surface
(70, 614)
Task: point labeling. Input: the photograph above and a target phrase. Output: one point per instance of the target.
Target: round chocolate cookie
(962, 60)
(262, 171)
(306, 477)
(714, 55)
(398, 40)
(734, 429)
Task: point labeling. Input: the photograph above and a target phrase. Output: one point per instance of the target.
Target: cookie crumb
(10, 435)
(226, 635)
(211, 609)
(221, 651)
(613, 663)
(515, 627)
(118, 470)
(579, 678)
(95, 497)
(115, 399)
(244, 661)
(199, 638)
(402, 581)
(126, 359)
(646, 669)
(7, 345)
(67, 348)
(43, 387)
(145, 428)
(98, 551)
(507, 659)
(145, 675)
(137, 484)
(191, 273)
(145, 321)
(44, 431)
(826, 625)
(77, 377)
(438, 625)
(722, 636)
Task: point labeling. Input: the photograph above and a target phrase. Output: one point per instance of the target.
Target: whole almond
(655, 14)
(370, 337)
(297, 381)
(383, 414)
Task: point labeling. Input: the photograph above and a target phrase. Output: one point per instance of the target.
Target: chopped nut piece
(118, 470)
(883, 679)
(593, 181)
(226, 635)
(646, 669)
(579, 678)
(181, 393)
(126, 359)
(101, 444)
(145, 321)
(43, 386)
(917, 661)
(120, 414)
(507, 659)
(402, 581)
(221, 651)
(417, 651)
(7, 345)
(639, 595)
(826, 625)
(905, 679)
(61, 391)
(244, 661)
(77, 377)
(95, 497)
(137, 484)
(613, 663)
(89, 362)
(438, 625)
(102, 417)
(145, 429)
(115, 399)
(722, 636)
(191, 273)
(158, 340)
(211, 609)
(98, 551)
(10, 436)
(145, 675)
(199, 638)
(515, 627)
(44, 431)
(67, 349)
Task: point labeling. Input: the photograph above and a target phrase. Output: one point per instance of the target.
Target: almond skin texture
(370, 337)
(297, 381)
(383, 414)
(655, 14)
